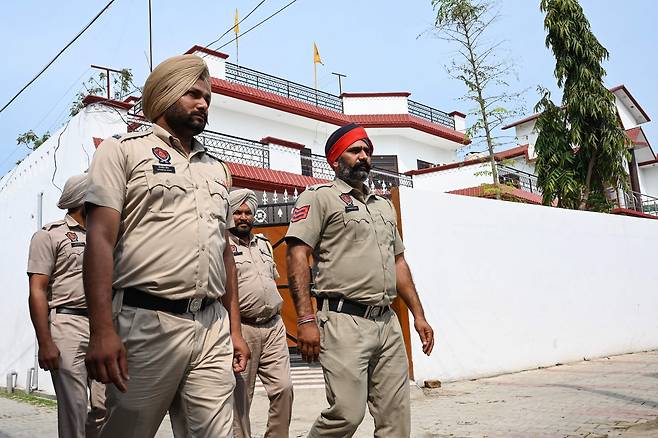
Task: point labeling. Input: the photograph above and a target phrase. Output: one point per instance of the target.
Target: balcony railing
(282, 87)
(432, 114)
(518, 178)
(380, 181)
(223, 146)
(641, 203)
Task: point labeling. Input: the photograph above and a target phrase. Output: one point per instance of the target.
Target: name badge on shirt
(77, 244)
(351, 208)
(163, 169)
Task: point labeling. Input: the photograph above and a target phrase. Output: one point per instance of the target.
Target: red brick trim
(280, 142)
(629, 212)
(384, 94)
(206, 50)
(499, 156)
(646, 163)
(88, 100)
(457, 113)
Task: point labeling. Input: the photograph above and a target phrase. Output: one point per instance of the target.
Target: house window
(423, 164)
(386, 162)
(307, 164)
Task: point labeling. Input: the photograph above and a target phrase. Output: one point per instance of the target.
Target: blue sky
(374, 42)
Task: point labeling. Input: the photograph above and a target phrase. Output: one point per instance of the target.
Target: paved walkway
(610, 397)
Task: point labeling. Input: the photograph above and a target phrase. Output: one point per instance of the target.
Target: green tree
(480, 66)
(32, 140)
(581, 146)
(122, 86)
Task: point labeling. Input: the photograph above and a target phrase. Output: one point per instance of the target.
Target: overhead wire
(258, 24)
(57, 56)
(233, 27)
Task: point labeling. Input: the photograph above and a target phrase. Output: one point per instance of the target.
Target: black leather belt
(137, 298)
(72, 311)
(255, 321)
(343, 305)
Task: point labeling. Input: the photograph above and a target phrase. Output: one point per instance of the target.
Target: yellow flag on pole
(316, 55)
(236, 27)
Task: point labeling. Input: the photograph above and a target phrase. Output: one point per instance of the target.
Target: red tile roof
(271, 100)
(637, 136)
(259, 178)
(499, 156)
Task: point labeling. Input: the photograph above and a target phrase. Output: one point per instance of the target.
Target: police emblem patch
(72, 236)
(346, 198)
(162, 155)
(300, 213)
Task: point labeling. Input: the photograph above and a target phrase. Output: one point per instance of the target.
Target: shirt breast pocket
(74, 256)
(387, 229)
(219, 200)
(165, 192)
(357, 226)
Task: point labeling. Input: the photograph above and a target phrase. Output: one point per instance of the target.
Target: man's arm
(407, 292)
(106, 355)
(38, 302)
(299, 279)
(230, 301)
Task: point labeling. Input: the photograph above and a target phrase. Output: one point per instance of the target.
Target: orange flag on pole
(316, 55)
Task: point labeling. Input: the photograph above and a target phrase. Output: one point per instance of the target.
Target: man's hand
(241, 353)
(49, 356)
(426, 334)
(308, 341)
(106, 360)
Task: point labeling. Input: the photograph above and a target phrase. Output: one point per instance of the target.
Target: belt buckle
(195, 304)
(375, 311)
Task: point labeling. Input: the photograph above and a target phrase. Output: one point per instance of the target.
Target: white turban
(74, 192)
(243, 196)
(169, 81)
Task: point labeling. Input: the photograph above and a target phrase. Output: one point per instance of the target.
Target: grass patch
(32, 399)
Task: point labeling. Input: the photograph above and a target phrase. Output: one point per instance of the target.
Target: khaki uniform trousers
(363, 361)
(176, 363)
(71, 335)
(271, 362)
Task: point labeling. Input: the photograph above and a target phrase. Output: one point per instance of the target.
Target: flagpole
(237, 53)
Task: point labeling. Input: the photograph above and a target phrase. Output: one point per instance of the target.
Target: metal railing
(641, 203)
(223, 146)
(282, 87)
(432, 114)
(517, 178)
(380, 181)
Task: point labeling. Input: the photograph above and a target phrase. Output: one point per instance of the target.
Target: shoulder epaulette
(315, 187)
(261, 237)
(131, 135)
(52, 225)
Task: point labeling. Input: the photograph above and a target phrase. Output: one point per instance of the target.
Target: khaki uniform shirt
(56, 251)
(174, 213)
(259, 298)
(354, 240)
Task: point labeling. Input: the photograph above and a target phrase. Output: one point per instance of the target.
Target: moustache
(200, 114)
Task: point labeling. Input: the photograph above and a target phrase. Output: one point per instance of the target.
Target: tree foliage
(122, 85)
(32, 140)
(581, 146)
(480, 66)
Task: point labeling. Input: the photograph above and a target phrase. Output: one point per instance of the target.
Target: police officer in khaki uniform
(59, 314)
(359, 257)
(158, 217)
(262, 326)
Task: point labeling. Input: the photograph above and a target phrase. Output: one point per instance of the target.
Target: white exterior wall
(18, 221)
(627, 119)
(453, 179)
(649, 180)
(375, 105)
(509, 286)
(526, 134)
(285, 158)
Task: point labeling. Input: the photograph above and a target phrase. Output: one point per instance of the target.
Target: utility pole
(150, 41)
(340, 84)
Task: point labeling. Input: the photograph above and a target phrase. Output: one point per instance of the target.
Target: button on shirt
(354, 239)
(56, 251)
(174, 213)
(259, 298)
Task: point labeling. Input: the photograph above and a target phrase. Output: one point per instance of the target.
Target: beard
(355, 174)
(242, 231)
(181, 121)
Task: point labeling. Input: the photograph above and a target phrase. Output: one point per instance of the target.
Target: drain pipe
(33, 373)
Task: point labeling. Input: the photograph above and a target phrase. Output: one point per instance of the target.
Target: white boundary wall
(509, 286)
(18, 221)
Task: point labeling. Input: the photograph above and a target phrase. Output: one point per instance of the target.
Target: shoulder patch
(300, 213)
